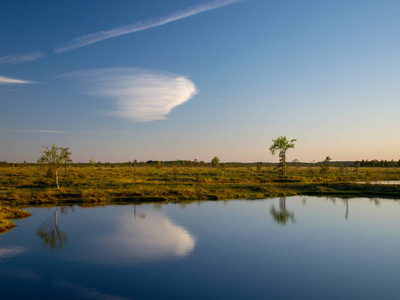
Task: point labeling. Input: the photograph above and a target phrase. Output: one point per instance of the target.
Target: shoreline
(206, 192)
(30, 185)
(8, 214)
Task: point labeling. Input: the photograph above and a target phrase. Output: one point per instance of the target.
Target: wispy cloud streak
(140, 26)
(105, 132)
(20, 58)
(140, 95)
(8, 80)
(34, 131)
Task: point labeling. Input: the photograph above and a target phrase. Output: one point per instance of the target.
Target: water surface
(386, 182)
(293, 248)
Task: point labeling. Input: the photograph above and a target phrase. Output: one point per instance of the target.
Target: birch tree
(55, 157)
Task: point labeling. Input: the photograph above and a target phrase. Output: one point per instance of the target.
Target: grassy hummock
(8, 214)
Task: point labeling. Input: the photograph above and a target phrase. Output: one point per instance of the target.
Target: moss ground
(27, 185)
(8, 214)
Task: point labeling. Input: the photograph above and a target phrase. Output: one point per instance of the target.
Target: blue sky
(194, 79)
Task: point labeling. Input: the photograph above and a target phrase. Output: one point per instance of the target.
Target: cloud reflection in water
(150, 237)
(11, 251)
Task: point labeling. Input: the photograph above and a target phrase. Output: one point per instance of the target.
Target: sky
(192, 79)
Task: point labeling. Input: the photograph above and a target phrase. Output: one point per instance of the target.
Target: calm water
(293, 248)
(387, 182)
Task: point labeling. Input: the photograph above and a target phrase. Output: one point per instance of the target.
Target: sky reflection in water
(275, 248)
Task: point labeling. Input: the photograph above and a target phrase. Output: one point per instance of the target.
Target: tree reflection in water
(376, 201)
(51, 234)
(346, 215)
(282, 216)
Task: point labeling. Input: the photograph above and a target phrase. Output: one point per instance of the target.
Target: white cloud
(7, 80)
(142, 25)
(140, 95)
(20, 58)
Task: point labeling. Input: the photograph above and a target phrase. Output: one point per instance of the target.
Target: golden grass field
(23, 185)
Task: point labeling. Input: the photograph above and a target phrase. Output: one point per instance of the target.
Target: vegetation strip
(84, 184)
(7, 214)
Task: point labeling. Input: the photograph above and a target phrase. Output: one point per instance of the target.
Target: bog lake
(278, 248)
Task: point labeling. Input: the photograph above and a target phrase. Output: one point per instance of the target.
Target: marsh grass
(31, 185)
(27, 185)
(8, 214)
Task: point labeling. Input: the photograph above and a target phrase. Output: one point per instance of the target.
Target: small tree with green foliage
(134, 170)
(259, 166)
(356, 166)
(325, 165)
(282, 144)
(215, 162)
(55, 157)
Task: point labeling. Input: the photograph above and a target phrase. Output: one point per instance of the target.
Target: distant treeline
(190, 163)
(379, 163)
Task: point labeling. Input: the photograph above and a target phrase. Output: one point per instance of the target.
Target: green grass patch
(26, 185)
(8, 214)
